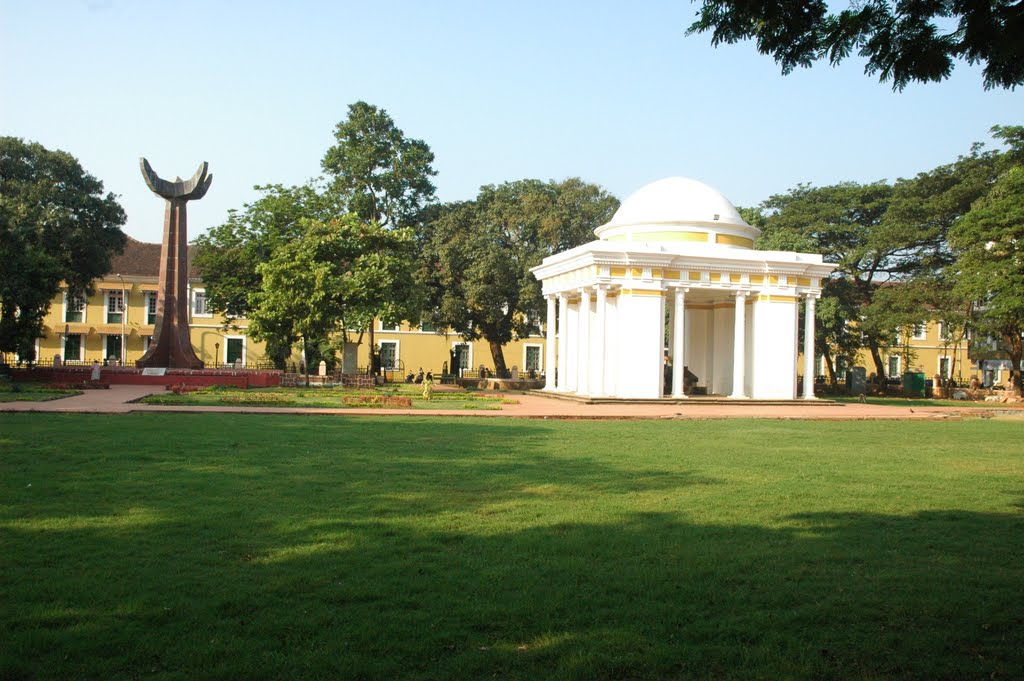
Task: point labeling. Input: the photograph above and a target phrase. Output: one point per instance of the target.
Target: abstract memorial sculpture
(172, 346)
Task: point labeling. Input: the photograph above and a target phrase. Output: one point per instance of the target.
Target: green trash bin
(913, 384)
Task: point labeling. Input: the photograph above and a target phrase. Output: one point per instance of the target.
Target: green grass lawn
(31, 392)
(923, 402)
(177, 546)
(331, 398)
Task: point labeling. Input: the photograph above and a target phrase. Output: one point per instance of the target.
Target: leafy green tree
(335, 276)
(477, 255)
(383, 175)
(891, 245)
(902, 41)
(56, 225)
(228, 255)
(844, 223)
(989, 243)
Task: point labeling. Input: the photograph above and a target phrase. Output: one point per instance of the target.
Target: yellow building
(81, 331)
(116, 324)
(406, 349)
(928, 348)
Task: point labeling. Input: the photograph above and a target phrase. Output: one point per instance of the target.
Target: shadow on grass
(456, 559)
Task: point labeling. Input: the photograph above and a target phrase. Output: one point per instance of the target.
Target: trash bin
(913, 384)
(856, 381)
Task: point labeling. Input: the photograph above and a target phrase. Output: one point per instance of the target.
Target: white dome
(679, 209)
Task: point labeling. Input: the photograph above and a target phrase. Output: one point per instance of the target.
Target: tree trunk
(876, 357)
(1015, 351)
(373, 349)
(830, 365)
(498, 355)
(305, 360)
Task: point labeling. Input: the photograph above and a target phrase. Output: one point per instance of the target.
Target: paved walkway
(119, 399)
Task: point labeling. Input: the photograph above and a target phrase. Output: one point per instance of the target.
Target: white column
(583, 370)
(739, 346)
(549, 346)
(599, 331)
(563, 345)
(809, 347)
(678, 347)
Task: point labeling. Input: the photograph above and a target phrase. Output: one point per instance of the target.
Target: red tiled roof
(141, 259)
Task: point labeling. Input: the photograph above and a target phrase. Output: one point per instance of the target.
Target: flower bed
(257, 398)
(396, 401)
(83, 385)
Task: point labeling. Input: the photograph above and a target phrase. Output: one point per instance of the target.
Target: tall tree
(56, 226)
(902, 41)
(477, 255)
(383, 176)
(228, 255)
(989, 243)
(844, 223)
(335, 276)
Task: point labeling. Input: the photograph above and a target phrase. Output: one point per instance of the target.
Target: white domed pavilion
(680, 246)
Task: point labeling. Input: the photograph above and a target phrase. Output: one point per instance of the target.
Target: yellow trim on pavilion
(756, 278)
(635, 271)
(734, 278)
(730, 240)
(694, 276)
(716, 276)
(640, 292)
(617, 271)
(778, 299)
(672, 274)
(657, 273)
(663, 236)
(803, 281)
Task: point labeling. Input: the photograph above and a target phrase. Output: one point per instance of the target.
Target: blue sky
(612, 92)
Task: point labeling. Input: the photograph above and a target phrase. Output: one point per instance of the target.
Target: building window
(894, 365)
(151, 307)
(533, 322)
(115, 307)
(944, 367)
(234, 350)
(112, 347)
(461, 354)
(920, 332)
(74, 308)
(390, 327)
(389, 355)
(73, 347)
(428, 327)
(199, 306)
(532, 358)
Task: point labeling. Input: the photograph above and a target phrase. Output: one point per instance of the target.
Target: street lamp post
(124, 313)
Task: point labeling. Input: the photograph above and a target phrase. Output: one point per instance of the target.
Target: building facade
(116, 324)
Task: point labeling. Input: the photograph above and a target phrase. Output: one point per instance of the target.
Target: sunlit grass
(31, 392)
(923, 402)
(408, 396)
(225, 546)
